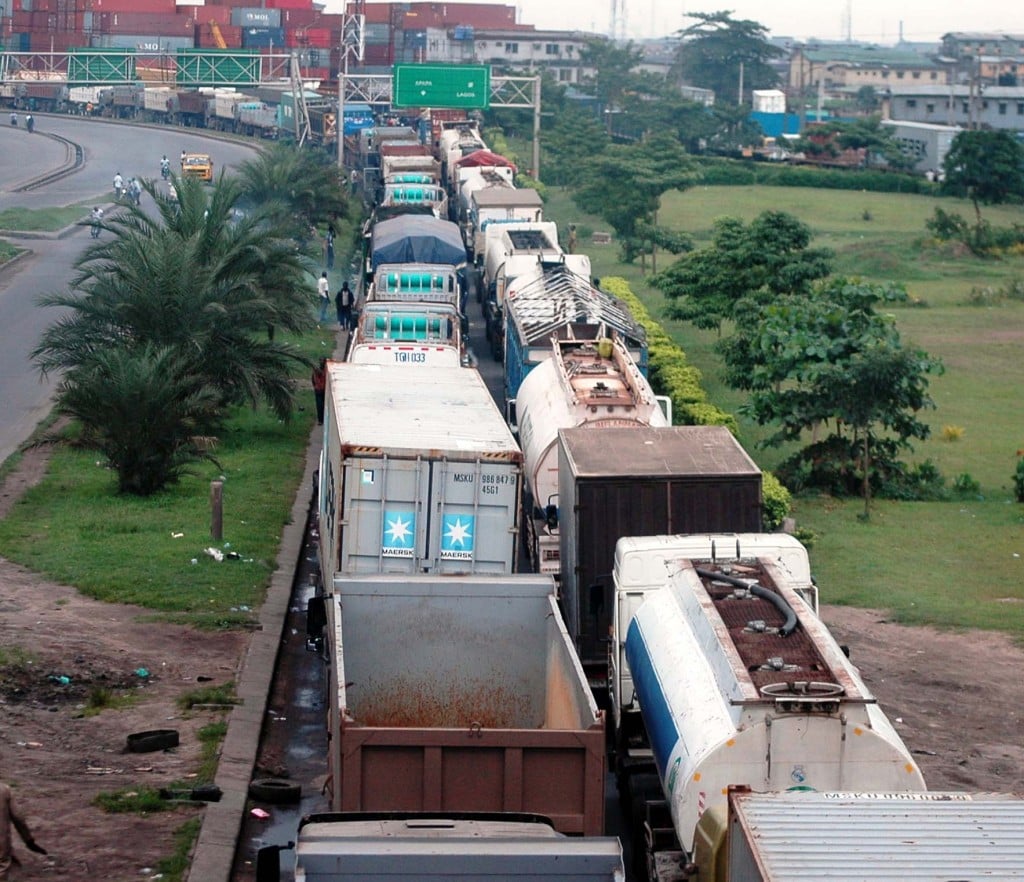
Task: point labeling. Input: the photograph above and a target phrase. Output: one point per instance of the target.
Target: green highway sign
(442, 85)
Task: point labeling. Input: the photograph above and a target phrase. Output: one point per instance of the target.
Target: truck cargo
(511, 251)
(390, 846)
(421, 282)
(497, 205)
(456, 140)
(419, 474)
(640, 482)
(797, 836)
(407, 333)
(399, 194)
(459, 694)
(735, 681)
(593, 383)
(556, 302)
(414, 239)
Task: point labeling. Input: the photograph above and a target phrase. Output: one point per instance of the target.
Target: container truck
(414, 334)
(557, 302)
(392, 846)
(496, 205)
(512, 251)
(723, 674)
(419, 474)
(592, 383)
(638, 482)
(458, 694)
(416, 282)
(796, 836)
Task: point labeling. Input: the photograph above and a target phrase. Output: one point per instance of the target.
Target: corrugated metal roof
(940, 837)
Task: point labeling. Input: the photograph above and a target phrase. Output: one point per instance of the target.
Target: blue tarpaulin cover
(416, 238)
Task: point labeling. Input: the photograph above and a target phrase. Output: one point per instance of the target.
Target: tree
(624, 184)
(761, 261)
(191, 279)
(715, 48)
(830, 358)
(297, 189)
(573, 138)
(613, 64)
(145, 410)
(985, 167)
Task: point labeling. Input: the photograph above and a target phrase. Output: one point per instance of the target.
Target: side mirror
(268, 862)
(316, 621)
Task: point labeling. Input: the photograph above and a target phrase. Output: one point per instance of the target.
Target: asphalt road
(109, 147)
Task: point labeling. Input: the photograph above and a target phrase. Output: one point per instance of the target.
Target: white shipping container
(84, 94)
(768, 101)
(157, 98)
(419, 474)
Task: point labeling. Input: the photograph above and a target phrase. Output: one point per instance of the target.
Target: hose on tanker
(774, 599)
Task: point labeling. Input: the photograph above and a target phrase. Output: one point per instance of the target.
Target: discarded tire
(155, 739)
(276, 791)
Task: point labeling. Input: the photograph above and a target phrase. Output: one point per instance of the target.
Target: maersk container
(419, 473)
(459, 694)
(640, 482)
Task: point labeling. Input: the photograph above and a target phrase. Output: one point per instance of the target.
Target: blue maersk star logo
(457, 537)
(399, 533)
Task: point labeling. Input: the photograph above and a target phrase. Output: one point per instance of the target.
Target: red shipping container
(206, 14)
(232, 37)
(165, 7)
(377, 55)
(148, 23)
(290, 4)
(300, 18)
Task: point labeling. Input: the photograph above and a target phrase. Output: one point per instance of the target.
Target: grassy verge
(75, 529)
(951, 564)
(8, 251)
(46, 220)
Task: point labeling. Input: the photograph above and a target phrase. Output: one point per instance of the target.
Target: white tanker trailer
(738, 683)
(585, 382)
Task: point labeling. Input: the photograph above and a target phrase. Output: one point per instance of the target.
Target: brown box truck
(456, 694)
(640, 482)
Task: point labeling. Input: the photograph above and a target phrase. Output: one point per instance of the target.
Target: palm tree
(300, 188)
(145, 409)
(196, 278)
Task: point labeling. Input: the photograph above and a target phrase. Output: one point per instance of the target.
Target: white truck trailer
(737, 682)
(419, 474)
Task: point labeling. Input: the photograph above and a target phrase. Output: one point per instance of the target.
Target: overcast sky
(878, 21)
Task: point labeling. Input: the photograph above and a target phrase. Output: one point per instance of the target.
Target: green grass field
(953, 564)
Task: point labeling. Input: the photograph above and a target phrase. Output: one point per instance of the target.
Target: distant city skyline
(871, 21)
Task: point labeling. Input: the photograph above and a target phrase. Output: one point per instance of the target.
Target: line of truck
(662, 637)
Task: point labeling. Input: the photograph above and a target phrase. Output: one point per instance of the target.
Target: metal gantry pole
(351, 47)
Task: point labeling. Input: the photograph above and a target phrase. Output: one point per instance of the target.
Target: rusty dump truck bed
(454, 694)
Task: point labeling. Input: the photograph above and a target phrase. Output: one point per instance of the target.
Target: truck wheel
(155, 739)
(276, 791)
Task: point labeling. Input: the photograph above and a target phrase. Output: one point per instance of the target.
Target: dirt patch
(63, 648)
(955, 699)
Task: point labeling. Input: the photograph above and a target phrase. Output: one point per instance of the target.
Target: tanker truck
(723, 675)
(594, 383)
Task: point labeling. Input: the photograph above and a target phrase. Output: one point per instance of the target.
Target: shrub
(965, 485)
(775, 502)
(1018, 480)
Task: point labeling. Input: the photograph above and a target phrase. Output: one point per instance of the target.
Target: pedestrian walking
(96, 220)
(11, 817)
(30, 123)
(330, 247)
(319, 380)
(323, 289)
(344, 301)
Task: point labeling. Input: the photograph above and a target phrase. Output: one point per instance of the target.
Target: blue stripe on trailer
(661, 727)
